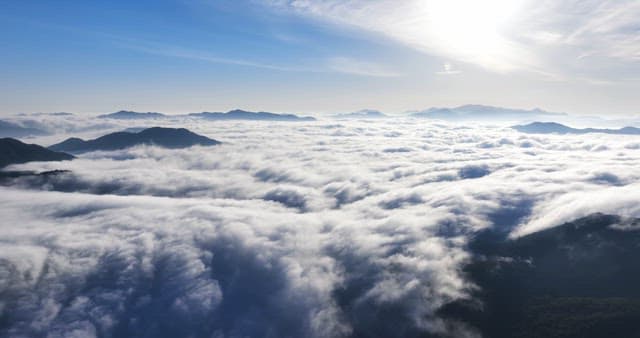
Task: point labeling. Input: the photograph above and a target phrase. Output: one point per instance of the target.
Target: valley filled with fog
(320, 169)
(323, 228)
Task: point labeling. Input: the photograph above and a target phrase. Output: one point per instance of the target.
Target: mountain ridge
(235, 114)
(13, 151)
(131, 115)
(558, 128)
(483, 112)
(362, 114)
(238, 114)
(173, 138)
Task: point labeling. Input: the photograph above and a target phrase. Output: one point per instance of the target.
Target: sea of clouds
(314, 229)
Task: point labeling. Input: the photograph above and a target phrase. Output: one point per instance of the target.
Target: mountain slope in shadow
(163, 137)
(13, 151)
(580, 279)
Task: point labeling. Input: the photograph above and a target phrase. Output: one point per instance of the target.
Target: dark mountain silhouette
(131, 115)
(580, 279)
(230, 115)
(247, 115)
(9, 129)
(481, 112)
(163, 137)
(7, 177)
(13, 151)
(362, 114)
(557, 128)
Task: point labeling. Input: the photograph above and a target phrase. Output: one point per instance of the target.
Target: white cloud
(356, 67)
(448, 69)
(543, 37)
(334, 64)
(309, 229)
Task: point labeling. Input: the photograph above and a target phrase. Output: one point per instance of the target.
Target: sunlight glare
(474, 30)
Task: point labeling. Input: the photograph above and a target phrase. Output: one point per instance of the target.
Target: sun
(474, 30)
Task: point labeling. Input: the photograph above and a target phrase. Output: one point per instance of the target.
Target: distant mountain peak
(159, 136)
(483, 112)
(239, 114)
(240, 111)
(557, 128)
(364, 113)
(130, 115)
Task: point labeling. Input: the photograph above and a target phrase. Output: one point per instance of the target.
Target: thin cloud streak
(335, 64)
(332, 65)
(352, 66)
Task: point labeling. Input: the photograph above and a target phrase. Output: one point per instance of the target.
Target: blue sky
(317, 57)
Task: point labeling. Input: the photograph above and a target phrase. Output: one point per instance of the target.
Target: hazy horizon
(321, 114)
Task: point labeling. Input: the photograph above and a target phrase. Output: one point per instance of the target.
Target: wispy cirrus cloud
(344, 65)
(358, 67)
(554, 39)
(335, 64)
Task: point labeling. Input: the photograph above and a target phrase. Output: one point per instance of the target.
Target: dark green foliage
(580, 317)
(580, 279)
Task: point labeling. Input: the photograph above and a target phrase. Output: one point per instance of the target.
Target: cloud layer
(321, 229)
